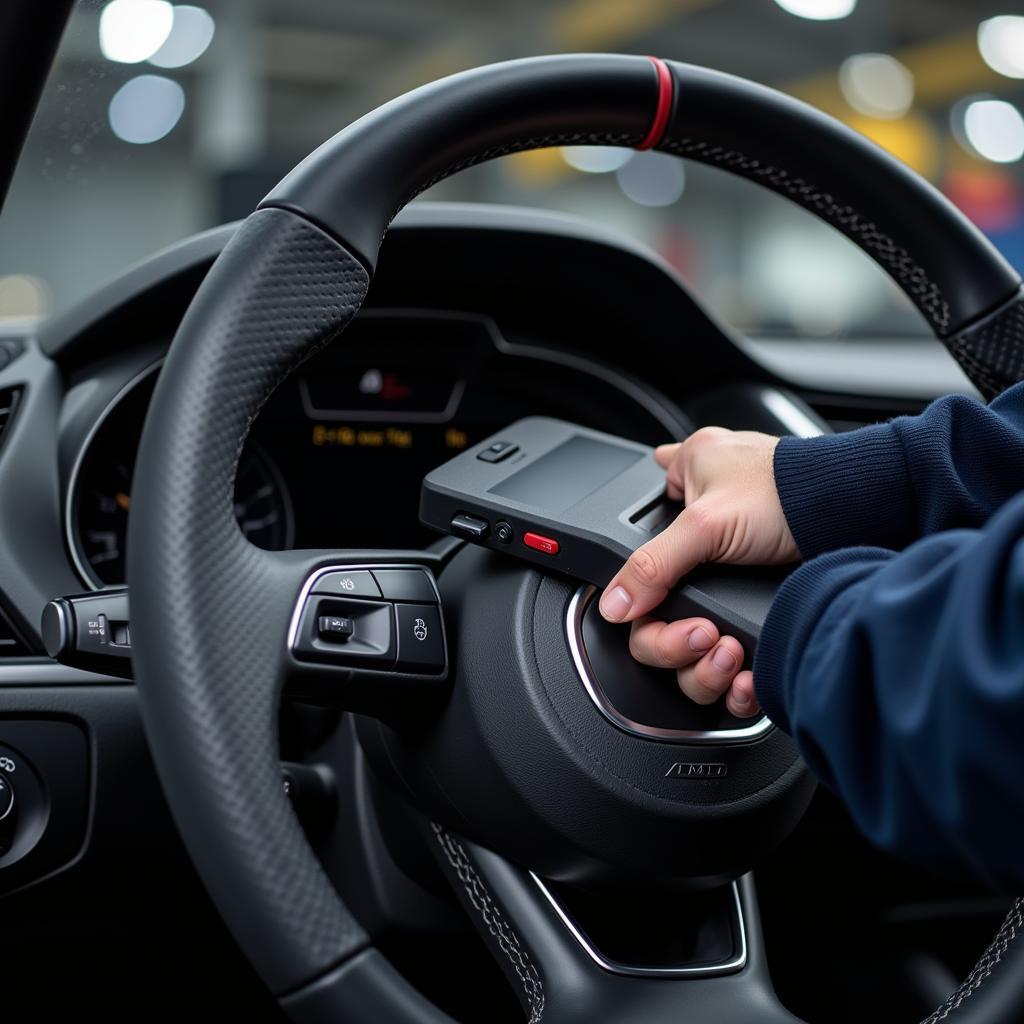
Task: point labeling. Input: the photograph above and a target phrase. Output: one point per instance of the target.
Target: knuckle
(645, 566)
(711, 676)
(704, 436)
(701, 518)
(696, 688)
(663, 649)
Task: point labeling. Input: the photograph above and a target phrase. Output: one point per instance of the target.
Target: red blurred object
(391, 389)
(991, 198)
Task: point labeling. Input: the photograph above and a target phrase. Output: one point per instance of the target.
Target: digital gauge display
(336, 457)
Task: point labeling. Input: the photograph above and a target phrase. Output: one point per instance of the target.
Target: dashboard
(336, 457)
(477, 316)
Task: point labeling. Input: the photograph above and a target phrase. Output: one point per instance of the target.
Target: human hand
(733, 514)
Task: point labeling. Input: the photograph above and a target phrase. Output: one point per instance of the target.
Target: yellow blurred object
(595, 24)
(909, 138)
(537, 168)
(455, 438)
(944, 69)
(956, 159)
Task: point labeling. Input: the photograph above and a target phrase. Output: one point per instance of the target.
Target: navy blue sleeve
(891, 483)
(901, 677)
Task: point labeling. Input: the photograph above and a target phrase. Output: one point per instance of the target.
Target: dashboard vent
(9, 398)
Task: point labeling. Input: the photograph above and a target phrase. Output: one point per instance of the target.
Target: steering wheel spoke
(366, 631)
(560, 974)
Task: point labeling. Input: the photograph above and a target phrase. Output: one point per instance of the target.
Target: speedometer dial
(102, 494)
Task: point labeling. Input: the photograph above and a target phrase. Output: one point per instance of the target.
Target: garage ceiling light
(652, 179)
(146, 108)
(596, 159)
(133, 30)
(1001, 43)
(819, 10)
(191, 34)
(994, 129)
(877, 85)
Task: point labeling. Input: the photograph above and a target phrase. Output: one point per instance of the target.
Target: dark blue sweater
(898, 663)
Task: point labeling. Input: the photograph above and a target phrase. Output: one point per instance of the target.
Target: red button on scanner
(539, 543)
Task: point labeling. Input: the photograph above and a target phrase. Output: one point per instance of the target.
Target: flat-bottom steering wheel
(516, 767)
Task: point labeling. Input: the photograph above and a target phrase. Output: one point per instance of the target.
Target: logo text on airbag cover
(697, 770)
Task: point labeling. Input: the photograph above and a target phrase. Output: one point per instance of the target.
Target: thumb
(653, 569)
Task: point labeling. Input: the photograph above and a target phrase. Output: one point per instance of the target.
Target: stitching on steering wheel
(885, 250)
(499, 928)
(989, 960)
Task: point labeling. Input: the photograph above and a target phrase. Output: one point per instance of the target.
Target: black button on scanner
(420, 640)
(356, 583)
(498, 451)
(470, 526)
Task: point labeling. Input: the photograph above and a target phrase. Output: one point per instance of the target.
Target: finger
(665, 453)
(642, 583)
(671, 644)
(741, 700)
(706, 681)
(670, 458)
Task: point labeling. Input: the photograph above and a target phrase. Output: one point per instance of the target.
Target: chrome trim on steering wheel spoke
(324, 570)
(574, 634)
(736, 963)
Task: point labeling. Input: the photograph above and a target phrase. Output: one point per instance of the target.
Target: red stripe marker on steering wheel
(664, 107)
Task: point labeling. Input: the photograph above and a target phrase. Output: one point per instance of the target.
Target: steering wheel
(495, 740)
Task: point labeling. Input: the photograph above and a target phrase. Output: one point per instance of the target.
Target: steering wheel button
(354, 583)
(420, 639)
(537, 541)
(335, 628)
(405, 585)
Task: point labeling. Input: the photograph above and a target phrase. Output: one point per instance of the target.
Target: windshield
(162, 119)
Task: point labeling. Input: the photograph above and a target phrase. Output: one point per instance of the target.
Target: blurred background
(162, 119)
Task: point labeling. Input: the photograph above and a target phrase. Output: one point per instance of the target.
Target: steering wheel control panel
(578, 501)
(386, 619)
(372, 622)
